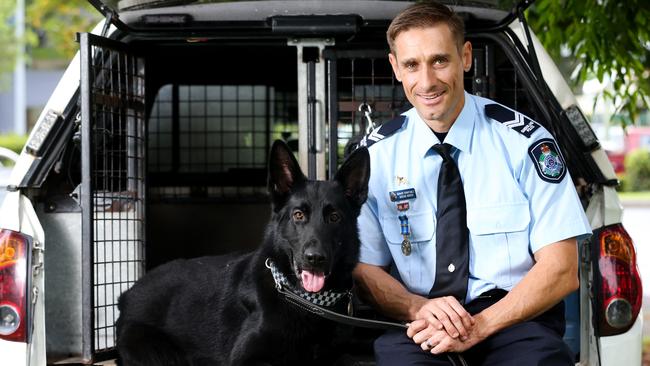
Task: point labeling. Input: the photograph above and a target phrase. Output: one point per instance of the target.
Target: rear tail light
(14, 285)
(617, 281)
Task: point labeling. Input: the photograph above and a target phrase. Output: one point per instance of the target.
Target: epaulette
(382, 131)
(511, 119)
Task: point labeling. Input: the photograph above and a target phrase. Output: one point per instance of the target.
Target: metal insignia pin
(406, 247)
(403, 206)
(451, 267)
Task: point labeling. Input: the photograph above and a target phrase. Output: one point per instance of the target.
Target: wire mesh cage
(113, 183)
(212, 141)
(365, 78)
(364, 82)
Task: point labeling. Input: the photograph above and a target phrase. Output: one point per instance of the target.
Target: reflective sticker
(548, 161)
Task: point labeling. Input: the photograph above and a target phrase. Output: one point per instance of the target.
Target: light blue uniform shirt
(516, 205)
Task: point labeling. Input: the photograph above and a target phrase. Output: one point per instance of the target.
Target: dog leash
(306, 305)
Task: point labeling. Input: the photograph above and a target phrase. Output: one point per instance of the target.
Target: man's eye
(298, 215)
(411, 67)
(439, 61)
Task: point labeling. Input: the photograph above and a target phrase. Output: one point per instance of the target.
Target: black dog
(226, 310)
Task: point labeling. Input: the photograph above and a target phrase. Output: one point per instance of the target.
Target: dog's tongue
(312, 281)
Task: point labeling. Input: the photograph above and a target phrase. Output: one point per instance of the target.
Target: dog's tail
(144, 345)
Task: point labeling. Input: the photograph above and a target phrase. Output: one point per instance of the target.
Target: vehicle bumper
(623, 349)
(13, 353)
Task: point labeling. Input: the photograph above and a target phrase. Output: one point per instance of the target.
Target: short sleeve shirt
(519, 197)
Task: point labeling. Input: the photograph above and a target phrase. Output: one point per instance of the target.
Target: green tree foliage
(50, 27)
(637, 171)
(7, 48)
(607, 37)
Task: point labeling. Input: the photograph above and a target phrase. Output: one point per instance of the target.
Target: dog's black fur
(225, 310)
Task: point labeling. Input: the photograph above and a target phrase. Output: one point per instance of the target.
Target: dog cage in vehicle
(210, 142)
(113, 185)
(358, 77)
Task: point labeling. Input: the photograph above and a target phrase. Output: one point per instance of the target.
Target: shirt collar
(460, 134)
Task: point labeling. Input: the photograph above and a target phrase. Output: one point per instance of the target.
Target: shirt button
(451, 267)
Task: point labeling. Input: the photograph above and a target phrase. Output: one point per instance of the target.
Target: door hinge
(37, 258)
(109, 19)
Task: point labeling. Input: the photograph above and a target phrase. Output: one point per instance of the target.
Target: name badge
(402, 195)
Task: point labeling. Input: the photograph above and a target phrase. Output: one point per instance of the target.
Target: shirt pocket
(422, 225)
(414, 269)
(499, 235)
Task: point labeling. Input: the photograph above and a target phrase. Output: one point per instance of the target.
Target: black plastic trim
(315, 25)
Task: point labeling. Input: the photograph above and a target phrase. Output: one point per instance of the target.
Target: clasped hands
(443, 325)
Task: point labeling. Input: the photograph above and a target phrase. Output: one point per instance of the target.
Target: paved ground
(635, 216)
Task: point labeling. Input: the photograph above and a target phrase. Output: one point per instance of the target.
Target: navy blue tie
(452, 236)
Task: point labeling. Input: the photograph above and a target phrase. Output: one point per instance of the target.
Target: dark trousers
(534, 342)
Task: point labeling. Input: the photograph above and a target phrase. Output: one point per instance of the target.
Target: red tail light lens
(618, 281)
(14, 294)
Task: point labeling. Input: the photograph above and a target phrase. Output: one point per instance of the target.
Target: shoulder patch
(512, 119)
(548, 160)
(383, 131)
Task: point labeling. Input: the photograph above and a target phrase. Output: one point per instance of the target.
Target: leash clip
(269, 265)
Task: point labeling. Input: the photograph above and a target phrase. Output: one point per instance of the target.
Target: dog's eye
(335, 217)
(298, 215)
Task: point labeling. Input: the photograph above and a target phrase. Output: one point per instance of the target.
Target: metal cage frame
(113, 191)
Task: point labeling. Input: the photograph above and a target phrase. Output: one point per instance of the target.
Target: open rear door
(113, 185)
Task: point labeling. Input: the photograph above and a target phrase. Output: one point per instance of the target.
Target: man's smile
(430, 98)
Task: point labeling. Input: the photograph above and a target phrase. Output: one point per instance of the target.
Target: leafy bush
(13, 142)
(637, 171)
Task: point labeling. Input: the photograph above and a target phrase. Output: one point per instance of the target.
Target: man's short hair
(423, 15)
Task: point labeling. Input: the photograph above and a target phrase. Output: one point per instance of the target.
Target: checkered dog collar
(321, 298)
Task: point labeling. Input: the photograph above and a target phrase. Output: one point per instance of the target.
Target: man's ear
(393, 62)
(284, 173)
(467, 56)
(354, 175)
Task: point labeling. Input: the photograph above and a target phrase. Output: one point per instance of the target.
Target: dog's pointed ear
(354, 175)
(284, 172)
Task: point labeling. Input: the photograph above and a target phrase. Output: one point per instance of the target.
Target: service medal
(406, 247)
(405, 230)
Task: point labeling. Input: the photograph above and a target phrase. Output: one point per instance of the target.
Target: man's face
(430, 67)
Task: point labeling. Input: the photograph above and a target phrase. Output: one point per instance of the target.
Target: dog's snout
(314, 257)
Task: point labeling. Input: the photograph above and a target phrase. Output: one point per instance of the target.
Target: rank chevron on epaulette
(511, 119)
(383, 131)
(375, 135)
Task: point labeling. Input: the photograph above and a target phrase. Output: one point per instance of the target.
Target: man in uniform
(513, 212)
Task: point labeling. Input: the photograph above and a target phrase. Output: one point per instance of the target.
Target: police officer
(522, 214)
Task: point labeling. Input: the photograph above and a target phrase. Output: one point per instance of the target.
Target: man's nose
(429, 77)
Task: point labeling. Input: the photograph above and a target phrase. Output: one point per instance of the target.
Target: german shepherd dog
(225, 310)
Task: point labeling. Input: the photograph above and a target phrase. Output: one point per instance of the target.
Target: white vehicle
(155, 142)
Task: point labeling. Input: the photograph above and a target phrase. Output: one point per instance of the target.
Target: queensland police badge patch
(548, 161)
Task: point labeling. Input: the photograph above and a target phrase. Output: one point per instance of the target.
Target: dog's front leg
(251, 350)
